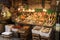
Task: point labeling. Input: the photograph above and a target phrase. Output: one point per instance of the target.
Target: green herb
(38, 10)
(26, 7)
(49, 11)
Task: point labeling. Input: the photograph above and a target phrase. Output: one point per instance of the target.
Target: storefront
(29, 19)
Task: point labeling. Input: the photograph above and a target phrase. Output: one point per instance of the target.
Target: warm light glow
(18, 9)
(23, 10)
(33, 10)
(44, 10)
(29, 9)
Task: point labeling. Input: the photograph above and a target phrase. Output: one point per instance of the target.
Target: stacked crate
(36, 37)
(1, 28)
(25, 34)
(36, 33)
(46, 37)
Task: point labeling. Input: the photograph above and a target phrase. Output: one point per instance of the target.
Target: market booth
(32, 19)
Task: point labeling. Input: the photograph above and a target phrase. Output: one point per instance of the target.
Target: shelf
(36, 24)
